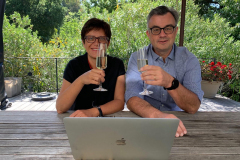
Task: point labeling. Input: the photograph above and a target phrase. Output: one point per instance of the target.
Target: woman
(81, 76)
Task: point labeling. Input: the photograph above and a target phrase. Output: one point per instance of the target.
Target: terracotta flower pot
(210, 88)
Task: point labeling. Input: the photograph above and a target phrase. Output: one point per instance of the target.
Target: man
(172, 73)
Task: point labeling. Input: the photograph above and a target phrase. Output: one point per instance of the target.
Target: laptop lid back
(120, 138)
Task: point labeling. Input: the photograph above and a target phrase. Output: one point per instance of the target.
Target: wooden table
(41, 135)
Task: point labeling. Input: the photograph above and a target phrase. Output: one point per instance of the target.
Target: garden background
(41, 36)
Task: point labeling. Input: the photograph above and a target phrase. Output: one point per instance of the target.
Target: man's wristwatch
(175, 84)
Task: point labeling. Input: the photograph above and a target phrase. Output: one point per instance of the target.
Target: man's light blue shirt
(180, 63)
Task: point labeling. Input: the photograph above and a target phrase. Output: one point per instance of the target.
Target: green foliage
(72, 5)
(46, 15)
(208, 7)
(110, 5)
(228, 9)
(206, 38)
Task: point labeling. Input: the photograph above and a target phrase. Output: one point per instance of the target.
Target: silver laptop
(120, 138)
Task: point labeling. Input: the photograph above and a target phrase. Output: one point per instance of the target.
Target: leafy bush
(38, 73)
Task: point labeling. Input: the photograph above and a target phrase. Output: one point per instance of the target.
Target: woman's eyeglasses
(92, 39)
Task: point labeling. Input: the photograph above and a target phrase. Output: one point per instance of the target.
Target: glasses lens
(168, 29)
(156, 30)
(90, 39)
(103, 39)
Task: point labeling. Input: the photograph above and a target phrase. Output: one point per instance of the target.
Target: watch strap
(100, 111)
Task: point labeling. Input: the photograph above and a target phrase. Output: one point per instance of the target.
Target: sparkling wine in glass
(101, 62)
(142, 61)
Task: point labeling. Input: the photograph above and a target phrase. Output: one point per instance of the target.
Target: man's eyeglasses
(167, 30)
(92, 39)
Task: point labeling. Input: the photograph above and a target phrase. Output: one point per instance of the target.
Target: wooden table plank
(35, 150)
(204, 157)
(205, 150)
(37, 157)
(30, 125)
(32, 136)
(35, 143)
(67, 151)
(33, 131)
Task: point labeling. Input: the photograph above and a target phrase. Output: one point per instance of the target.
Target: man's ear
(176, 28)
(148, 34)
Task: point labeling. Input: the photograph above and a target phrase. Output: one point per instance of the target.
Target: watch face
(175, 83)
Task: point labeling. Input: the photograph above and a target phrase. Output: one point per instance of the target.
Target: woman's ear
(108, 43)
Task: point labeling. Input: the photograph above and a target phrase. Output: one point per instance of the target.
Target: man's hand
(155, 75)
(181, 130)
(94, 76)
(93, 112)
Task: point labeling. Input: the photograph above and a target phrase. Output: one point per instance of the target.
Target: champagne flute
(101, 62)
(142, 61)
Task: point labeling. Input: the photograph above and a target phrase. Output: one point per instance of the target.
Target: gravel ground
(219, 103)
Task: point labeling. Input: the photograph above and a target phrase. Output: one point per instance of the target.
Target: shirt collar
(155, 56)
(171, 55)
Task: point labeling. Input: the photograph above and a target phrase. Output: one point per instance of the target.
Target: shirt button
(163, 94)
(162, 105)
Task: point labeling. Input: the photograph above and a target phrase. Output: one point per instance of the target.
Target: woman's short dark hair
(97, 24)
(162, 10)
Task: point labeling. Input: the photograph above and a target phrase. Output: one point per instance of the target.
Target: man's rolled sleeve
(192, 78)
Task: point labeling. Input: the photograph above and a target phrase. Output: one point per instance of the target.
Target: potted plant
(213, 75)
(12, 84)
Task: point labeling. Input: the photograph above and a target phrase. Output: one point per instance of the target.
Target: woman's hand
(93, 112)
(94, 76)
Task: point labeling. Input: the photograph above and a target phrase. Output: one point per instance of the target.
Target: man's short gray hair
(162, 10)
